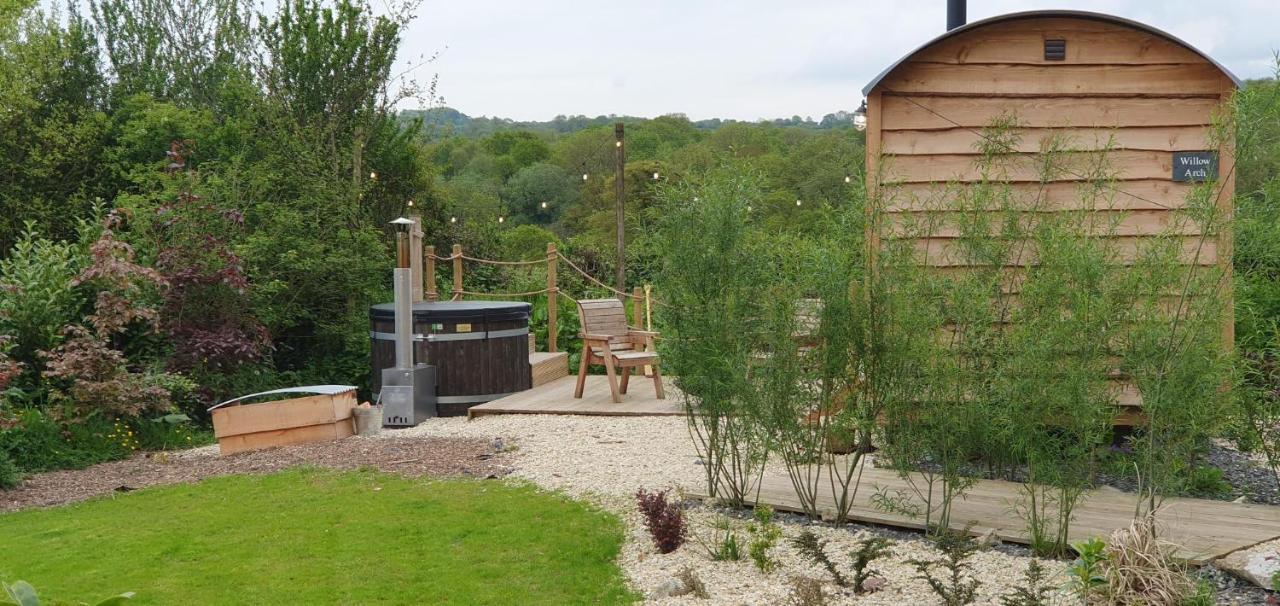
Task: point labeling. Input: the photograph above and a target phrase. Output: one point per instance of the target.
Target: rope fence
(642, 301)
(471, 293)
(593, 279)
(492, 262)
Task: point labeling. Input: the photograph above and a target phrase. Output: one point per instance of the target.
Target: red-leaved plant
(663, 518)
(99, 379)
(206, 311)
(91, 375)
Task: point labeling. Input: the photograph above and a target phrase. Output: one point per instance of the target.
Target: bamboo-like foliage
(1256, 117)
(1038, 332)
(713, 272)
(1175, 356)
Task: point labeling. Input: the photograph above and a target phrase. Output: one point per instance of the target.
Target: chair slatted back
(603, 317)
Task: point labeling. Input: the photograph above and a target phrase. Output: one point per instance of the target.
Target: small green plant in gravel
(1085, 575)
(724, 545)
(869, 550)
(764, 535)
(956, 587)
(1207, 482)
(814, 550)
(1034, 590)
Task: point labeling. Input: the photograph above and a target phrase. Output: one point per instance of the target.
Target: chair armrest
(642, 333)
(605, 338)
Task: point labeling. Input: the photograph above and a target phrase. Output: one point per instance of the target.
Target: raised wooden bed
(325, 415)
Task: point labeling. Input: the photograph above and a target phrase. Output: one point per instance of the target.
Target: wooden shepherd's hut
(1144, 96)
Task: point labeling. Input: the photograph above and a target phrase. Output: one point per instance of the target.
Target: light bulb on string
(655, 176)
(544, 204)
(501, 219)
(617, 144)
(373, 175)
(410, 203)
(584, 176)
(848, 179)
(695, 198)
(797, 202)
(453, 219)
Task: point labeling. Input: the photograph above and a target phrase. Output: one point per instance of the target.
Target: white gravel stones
(606, 459)
(1256, 564)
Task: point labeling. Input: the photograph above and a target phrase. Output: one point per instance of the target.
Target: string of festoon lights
(655, 176)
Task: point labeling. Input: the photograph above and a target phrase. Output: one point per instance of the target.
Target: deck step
(548, 366)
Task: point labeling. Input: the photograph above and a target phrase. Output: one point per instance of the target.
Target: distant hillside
(452, 121)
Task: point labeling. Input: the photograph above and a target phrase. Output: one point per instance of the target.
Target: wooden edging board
(315, 418)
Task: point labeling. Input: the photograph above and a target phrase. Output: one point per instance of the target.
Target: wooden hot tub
(480, 349)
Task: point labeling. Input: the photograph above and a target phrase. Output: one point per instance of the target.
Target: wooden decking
(556, 398)
(1203, 530)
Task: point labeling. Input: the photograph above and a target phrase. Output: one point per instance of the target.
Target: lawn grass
(310, 536)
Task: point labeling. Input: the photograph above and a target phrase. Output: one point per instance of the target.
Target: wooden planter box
(315, 418)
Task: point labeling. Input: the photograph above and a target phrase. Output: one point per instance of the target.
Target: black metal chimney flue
(955, 14)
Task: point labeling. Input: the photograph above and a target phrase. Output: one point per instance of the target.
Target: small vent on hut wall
(1055, 50)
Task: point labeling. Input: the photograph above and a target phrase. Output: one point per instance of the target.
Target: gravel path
(412, 457)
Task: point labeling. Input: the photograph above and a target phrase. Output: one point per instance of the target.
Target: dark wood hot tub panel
(473, 365)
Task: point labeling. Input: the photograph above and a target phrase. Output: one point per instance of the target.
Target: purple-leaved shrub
(663, 518)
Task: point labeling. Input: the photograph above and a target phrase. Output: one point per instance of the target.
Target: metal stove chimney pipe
(955, 14)
(403, 280)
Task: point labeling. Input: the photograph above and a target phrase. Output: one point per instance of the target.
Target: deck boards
(556, 398)
(1203, 529)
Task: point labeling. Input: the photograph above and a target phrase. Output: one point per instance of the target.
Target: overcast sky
(746, 59)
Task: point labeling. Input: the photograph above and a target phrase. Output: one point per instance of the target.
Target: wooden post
(637, 320)
(457, 272)
(552, 309)
(636, 293)
(415, 256)
(620, 191)
(432, 295)
(648, 307)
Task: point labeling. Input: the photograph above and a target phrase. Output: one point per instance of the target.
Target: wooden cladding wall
(1122, 98)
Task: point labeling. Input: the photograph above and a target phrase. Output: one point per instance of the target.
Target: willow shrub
(1000, 353)
(1031, 306)
(713, 274)
(783, 345)
(1256, 263)
(1172, 348)
(816, 406)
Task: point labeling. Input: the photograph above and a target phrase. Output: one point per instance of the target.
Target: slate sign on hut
(1141, 96)
(1194, 167)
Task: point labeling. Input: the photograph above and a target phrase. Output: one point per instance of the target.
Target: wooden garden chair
(607, 340)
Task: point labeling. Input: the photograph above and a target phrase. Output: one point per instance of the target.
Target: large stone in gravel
(669, 589)
(1255, 564)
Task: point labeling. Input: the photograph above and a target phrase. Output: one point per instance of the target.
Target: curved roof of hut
(1043, 14)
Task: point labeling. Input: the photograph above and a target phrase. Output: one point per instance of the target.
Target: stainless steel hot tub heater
(408, 390)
